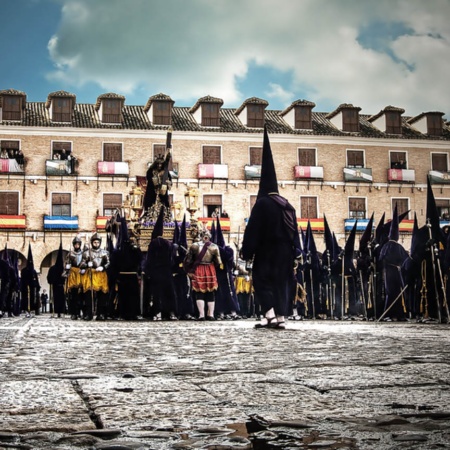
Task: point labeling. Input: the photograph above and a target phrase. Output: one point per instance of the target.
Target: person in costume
(200, 264)
(272, 241)
(94, 280)
(160, 259)
(56, 278)
(29, 286)
(74, 289)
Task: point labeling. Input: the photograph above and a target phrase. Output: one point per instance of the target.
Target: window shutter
(402, 205)
(9, 203)
(62, 146)
(434, 124)
(61, 199)
(212, 200)
(210, 115)
(112, 152)
(308, 207)
(439, 162)
(307, 157)
(11, 109)
(112, 111)
(355, 158)
(255, 116)
(162, 113)
(111, 201)
(393, 122)
(62, 109)
(255, 156)
(303, 118)
(211, 154)
(158, 150)
(10, 145)
(350, 120)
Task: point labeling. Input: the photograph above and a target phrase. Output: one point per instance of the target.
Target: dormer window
(434, 124)
(12, 103)
(345, 118)
(429, 123)
(393, 122)
(206, 111)
(159, 109)
(62, 110)
(350, 120)
(109, 107)
(299, 114)
(251, 112)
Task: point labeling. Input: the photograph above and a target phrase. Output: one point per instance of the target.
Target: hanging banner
(305, 172)
(224, 223)
(361, 174)
(112, 168)
(316, 224)
(213, 171)
(13, 222)
(60, 222)
(10, 166)
(405, 175)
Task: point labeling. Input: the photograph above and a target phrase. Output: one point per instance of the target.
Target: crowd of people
(15, 154)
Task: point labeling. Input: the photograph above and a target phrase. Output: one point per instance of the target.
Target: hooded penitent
(268, 182)
(29, 285)
(56, 279)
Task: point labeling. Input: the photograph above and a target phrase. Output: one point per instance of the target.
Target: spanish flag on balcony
(208, 221)
(316, 224)
(12, 222)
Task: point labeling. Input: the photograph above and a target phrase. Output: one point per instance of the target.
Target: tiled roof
(252, 101)
(157, 98)
(108, 95)
(387, 109)
(207, 99)
(63, 94)
(340, 108)
(298, 103)
(135, 117)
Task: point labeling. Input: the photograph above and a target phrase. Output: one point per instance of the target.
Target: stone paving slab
(164, 385)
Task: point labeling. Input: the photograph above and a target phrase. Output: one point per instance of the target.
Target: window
(398, 160)
(112, 152)
(255, 156)
(255, 116)
(357, 208)
(9, 149)
(162, 113)
(61, 204)
(303, 118)
(210, 204)
(434, 124)
(158, 150)
(393, 122)
(355, 158)
(307, 157)
(402, 205)
(110, 203)
(9, 203)
(443, 207)
(439, 162)
(350, 120)
(62, 110)
(112, 111)
(61, 150)
(11, 109)
(211, 115)
(211, 154)
(308, 207)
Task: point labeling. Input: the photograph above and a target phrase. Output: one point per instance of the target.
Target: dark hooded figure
(392, 256)
(57, 280)
(227, 303)
(271, 240)
(159, 262)
(125, 270)
(181, 281)
(29, 286)
(4, 283)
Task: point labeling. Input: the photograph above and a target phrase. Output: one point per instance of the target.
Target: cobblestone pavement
(223, 385)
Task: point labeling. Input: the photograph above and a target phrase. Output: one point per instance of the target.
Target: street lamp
(191, 201)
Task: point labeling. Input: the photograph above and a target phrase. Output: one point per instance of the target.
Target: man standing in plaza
(73, 263)
(271, 240)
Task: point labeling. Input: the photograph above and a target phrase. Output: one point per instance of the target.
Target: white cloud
(192, 48)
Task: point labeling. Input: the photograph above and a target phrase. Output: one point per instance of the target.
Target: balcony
(60, 167)
(10, 165)
(405, 226)
(308, 173)
(60, 222)
(213, 171)
(112, 168)
(361, 174)
(437, 177)
(12, 222)
(401, 176)
(252, 172)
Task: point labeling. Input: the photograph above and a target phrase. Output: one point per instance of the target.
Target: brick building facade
(342, 164)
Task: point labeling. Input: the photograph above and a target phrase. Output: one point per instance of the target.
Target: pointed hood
(329, 247)
(158, 229)
(350, 243)
(268, 181)
(183, 236)
(379, 231)
(366, 236)
(5, 255)
(433, 215)
(30, 262)
(59, 263)
(213, 232)
(393, 231)
(220, 240)
(176, 234)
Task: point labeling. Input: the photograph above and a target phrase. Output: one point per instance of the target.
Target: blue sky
(368, 53)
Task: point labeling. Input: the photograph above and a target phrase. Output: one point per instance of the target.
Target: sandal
(278, 326)
(270, 323)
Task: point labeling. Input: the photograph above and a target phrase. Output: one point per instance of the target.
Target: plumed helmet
(96, 237)
(76, 240)
(205, 232)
